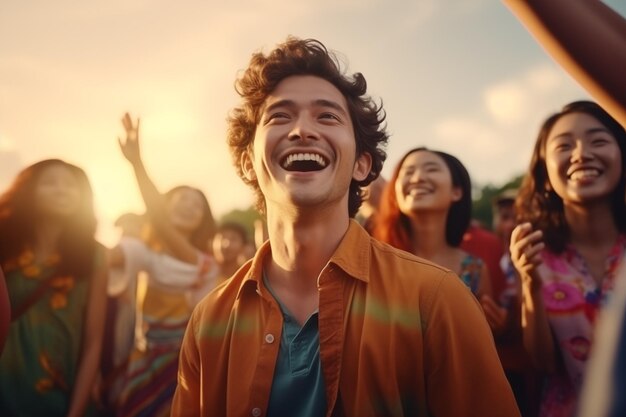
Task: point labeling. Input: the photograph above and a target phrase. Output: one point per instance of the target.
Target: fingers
(526, 245)
(127, 122)
(520, 231)
(532, 252)
(525, 250)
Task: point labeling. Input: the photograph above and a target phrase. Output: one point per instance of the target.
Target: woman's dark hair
(306, 57)
(537, 202)
(394, 227)
(18, 221)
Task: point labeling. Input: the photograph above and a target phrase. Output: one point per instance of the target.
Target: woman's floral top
(573, 299)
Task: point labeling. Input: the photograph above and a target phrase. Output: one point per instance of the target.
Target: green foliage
(485, 195)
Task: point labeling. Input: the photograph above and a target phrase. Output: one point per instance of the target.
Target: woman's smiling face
(425, 183)
(583, 159)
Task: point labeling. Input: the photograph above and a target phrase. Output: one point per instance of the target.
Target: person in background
(371, 200)
(588, 40)
(326, 320)
(123, 317)
(504, 221)
(515, 360)
(179, 273)
(485, 245)
(131, 224)
(426, 209)
(229, 244)
(56, 277)
(570, 243)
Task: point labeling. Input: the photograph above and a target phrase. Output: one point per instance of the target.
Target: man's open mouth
(304, 162)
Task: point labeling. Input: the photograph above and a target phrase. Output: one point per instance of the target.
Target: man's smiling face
(304, 151)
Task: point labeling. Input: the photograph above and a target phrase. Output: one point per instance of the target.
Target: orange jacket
(399, 336)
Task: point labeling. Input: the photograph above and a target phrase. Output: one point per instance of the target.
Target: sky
(462, 76)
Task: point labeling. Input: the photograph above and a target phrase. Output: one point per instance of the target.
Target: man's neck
(302, 244)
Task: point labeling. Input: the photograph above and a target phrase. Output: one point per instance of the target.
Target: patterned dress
(173, 289)
(573, 299)
(471, 266)
(40, 359)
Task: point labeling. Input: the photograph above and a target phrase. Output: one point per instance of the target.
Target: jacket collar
(352, 256)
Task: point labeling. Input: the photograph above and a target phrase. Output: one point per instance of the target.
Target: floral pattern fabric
(471, 267)
(573, 299)
(39, 362)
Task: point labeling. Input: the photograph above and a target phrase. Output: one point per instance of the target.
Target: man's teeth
(304, 157)
(583, 174)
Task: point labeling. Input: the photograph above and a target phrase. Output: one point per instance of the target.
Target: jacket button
(256, 412)
(269, 338)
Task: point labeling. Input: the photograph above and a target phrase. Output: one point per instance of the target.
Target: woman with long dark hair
(56, 276)
(426, 209)
(570, 243)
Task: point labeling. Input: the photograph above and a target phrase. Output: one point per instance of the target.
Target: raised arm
(175, 241)
(588, 39)
(93, 331)
(525, 247)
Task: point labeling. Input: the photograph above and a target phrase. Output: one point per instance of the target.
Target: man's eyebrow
(318, 102)
(329, 103)
(279, 103)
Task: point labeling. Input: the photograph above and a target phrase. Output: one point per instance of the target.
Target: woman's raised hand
(130, 147)
(525, 248)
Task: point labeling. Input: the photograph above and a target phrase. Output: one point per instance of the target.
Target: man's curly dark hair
(306, 57)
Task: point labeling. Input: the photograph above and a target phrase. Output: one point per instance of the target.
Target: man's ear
(362, 166)
(246, 166)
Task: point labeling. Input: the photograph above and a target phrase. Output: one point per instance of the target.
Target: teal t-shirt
(298, 387)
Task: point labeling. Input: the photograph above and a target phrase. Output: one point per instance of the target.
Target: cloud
(495, 139)
(455, 130)
(510, 102)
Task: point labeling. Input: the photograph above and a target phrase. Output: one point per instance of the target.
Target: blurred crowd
(91, 330)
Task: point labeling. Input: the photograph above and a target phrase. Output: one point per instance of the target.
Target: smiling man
(325, 320)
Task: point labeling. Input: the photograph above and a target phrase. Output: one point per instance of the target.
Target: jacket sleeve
(187, 399)
(464, 376)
